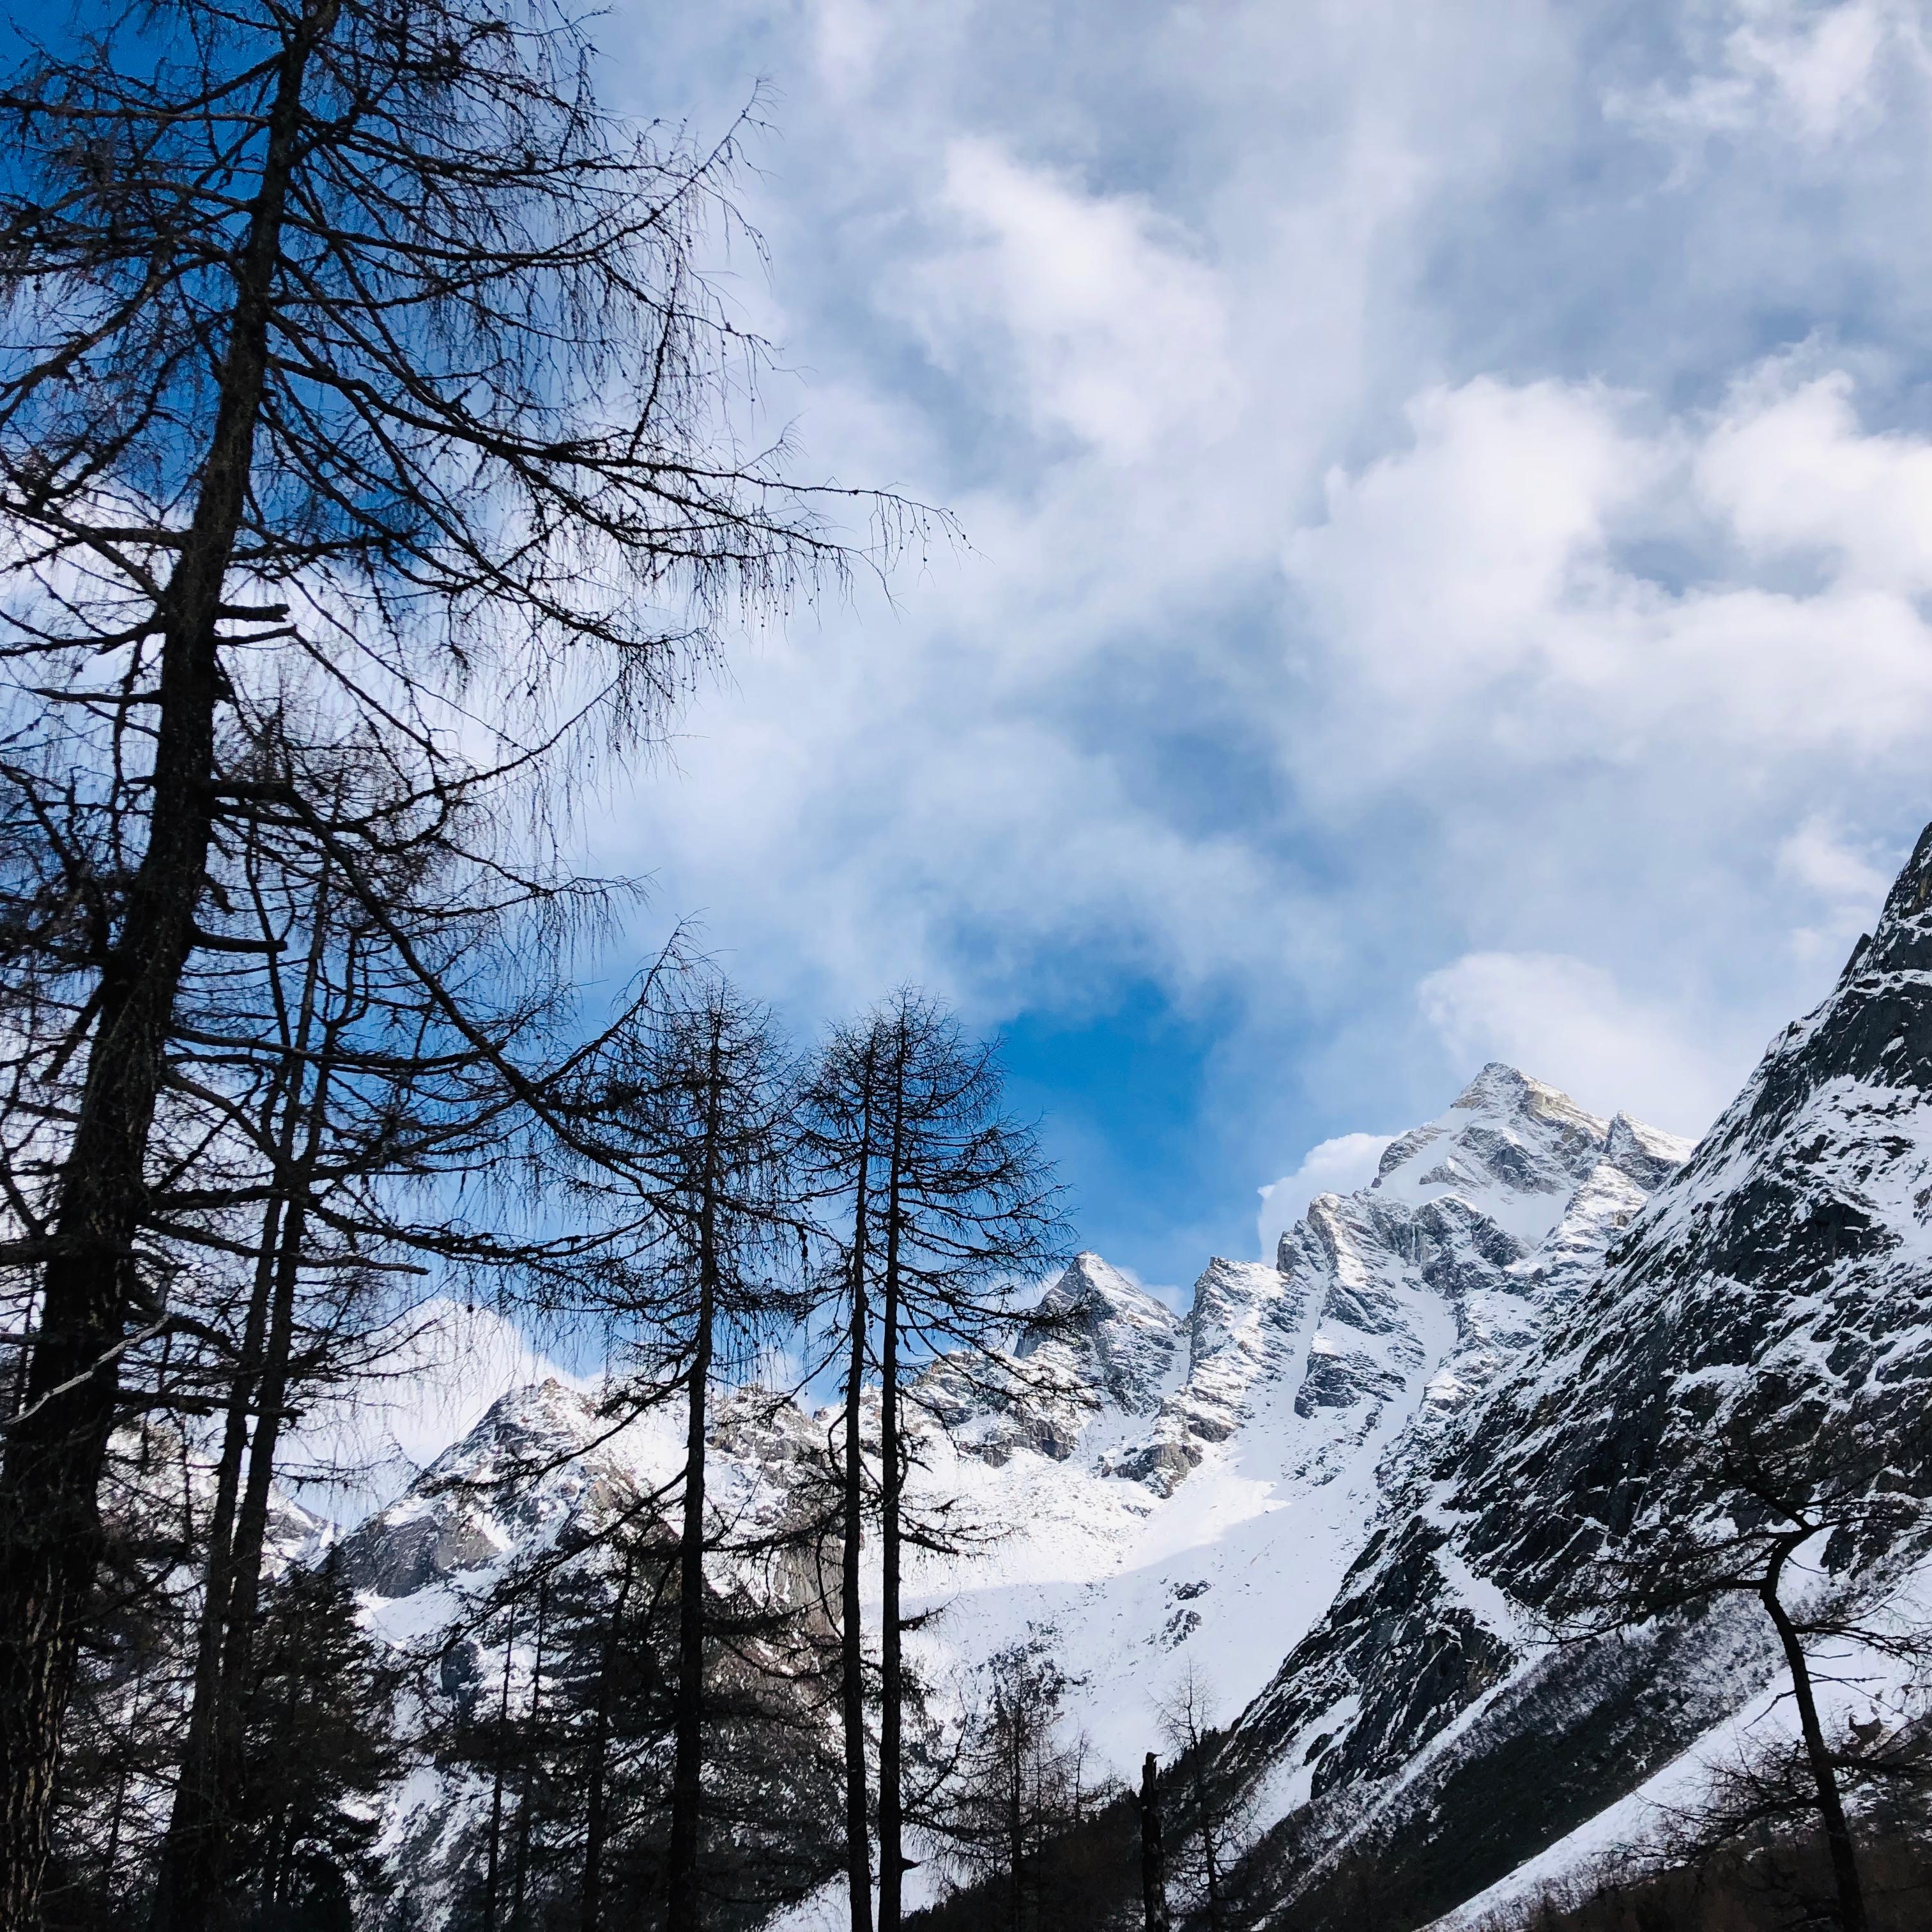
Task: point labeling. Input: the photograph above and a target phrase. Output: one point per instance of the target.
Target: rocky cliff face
(1156, 1490)
(1776, 1285)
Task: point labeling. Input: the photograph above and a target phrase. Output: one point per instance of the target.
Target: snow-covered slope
(1201, 1507)
(1778, 1284)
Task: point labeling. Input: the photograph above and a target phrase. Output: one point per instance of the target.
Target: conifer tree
(953, 1211)
(1018, 1785)
(702, 1089)
(319, 1739)
(353, 357)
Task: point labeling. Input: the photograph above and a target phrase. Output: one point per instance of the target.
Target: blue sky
(1449, 501)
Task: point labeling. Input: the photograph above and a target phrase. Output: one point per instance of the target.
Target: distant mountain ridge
(1170, 1487)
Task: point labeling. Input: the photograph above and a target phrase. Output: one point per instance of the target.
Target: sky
(1446, 508)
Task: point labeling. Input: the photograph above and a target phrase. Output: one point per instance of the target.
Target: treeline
(646, 1706)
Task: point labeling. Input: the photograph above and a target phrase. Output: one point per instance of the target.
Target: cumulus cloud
(1117, 331)
(1336, 1166)
(1811, 73)
(1498, 574)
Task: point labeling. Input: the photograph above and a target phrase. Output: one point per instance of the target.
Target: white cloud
(1568, 1022)
(1809, 73)
(1490, 577)
(850, 36)
(1118, 329)
(1818, 857)
(1792, 471)
(1402, 531)
(1842, 883)
(1336, 1166)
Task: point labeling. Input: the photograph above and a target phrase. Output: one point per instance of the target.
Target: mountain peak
(1090, 1291)
(1500, 1088)
(1120, 1338)
(1902, 940)
(1511, 1145)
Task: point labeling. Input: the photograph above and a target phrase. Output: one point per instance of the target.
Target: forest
(374, 466)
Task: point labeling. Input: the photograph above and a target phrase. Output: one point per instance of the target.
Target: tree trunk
(251, 1525)
(56, 1447)
(1016, 1819)
(1153, 1851)
(492, 1862)
(1830, 1806)
(194, 1855)
(687, 1795)
(892, 1705)
(522, 1871)
(590, 1895)
(852, 1653)
(182, 1884)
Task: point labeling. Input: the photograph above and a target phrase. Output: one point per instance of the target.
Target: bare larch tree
(703, 1089)
(955, 1211)
(352, 353)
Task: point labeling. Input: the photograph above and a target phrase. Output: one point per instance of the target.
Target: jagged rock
(1118, 1341)
(1288, 1481)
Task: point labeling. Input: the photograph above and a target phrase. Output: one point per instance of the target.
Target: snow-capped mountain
(1341, 1488)
(1779, 1279)
(1157, 1492)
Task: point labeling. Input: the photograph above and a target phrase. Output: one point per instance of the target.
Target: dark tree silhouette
(1154, 1916)
(1213, 1808)
(1765, 1491)
(355, 367)
(1019, 1786)
(953, 1211)
(703, 1089)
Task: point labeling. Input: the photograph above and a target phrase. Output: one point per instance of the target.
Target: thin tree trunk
(55, 1447)
(182, 1884)
(112, 1863)
(493, 1860)
(1830, 1806)
(858, 1843)
(687, 1769)
(1210, 1850)
(523, 1790)
(205, 1872)
(590, 1895)
(892, 1859)
(1016, 1819)
(1153, 1851)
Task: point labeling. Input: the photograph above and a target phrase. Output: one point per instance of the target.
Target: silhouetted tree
(1213, 1808)
(319, 1737)
(1019, 1785)
(356, 366)
(1761, 1493)
(1153, 1849)
(953, 1211)
(704, 1089)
